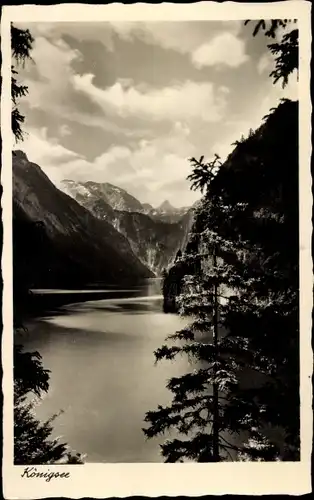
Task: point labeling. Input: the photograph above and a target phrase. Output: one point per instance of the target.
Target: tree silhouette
(32, 439)
(203, 173)
(21, 45)
(286, 51)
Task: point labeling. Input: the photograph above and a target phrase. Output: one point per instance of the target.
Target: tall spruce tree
(241, 291)
(200, 407)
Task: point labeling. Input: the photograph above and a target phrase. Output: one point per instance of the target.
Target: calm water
(103, 375)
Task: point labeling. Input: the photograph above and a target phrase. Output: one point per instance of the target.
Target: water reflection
(103, 375)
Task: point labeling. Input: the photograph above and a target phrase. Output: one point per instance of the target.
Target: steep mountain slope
(57, 241)
(154, 242)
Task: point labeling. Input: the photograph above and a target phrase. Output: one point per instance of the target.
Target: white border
(121, 480)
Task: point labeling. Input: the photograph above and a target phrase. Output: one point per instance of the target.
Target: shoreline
(42, 302)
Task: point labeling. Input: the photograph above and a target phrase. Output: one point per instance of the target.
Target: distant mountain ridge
(119, 199)
(58, 242)
(155, 235)
(116, 197)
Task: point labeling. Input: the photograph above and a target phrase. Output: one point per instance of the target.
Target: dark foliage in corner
(33, 444)
(285, 51)
(21, 46)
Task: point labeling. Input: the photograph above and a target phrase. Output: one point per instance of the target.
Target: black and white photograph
(155, 241)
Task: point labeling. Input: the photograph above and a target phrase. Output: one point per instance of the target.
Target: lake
(103, 372)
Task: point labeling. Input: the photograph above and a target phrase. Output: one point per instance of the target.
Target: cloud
(266, 63)
(291, 91)
(49, 78)
(207, 44)
(56, 88)
(236, 127)
(50, 82)
(184, 36)
(64, 130)
(185, 100)
(48, 153)
(81, 31)
(143, 134)
(224, 49)
(142, 169)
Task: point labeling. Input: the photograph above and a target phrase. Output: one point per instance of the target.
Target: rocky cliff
(58, 242)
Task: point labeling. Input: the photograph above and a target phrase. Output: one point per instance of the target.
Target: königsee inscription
(33, 473)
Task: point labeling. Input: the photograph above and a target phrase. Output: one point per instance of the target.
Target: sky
(130, 103)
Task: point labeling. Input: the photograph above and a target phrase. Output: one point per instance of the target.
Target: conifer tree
(33, 444)
(241, 289)
(21, 46)
(200, 396)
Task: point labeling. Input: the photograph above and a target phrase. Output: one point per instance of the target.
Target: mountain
(58, 242)
(165, 207)
(154, 241)
(110, 197)
(167, 213)
(117, 198)
(147, 207)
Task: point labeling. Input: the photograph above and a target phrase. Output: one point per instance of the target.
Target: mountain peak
(166, 206)
(117, 198)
